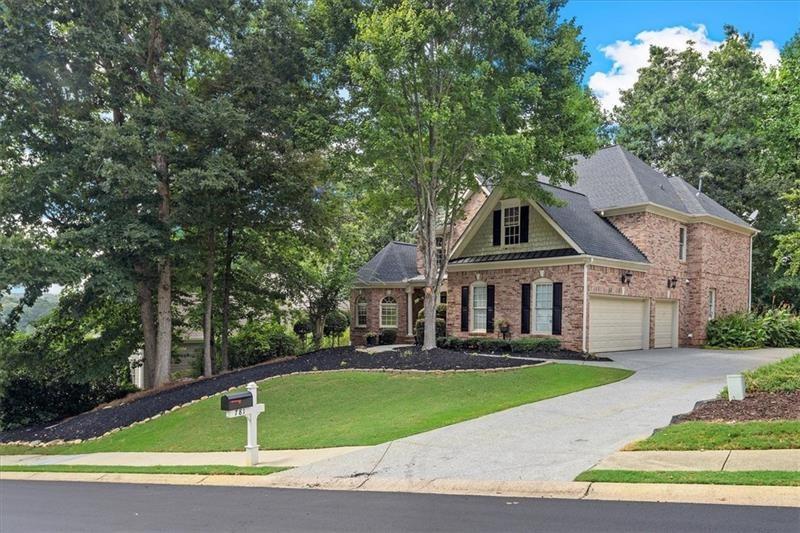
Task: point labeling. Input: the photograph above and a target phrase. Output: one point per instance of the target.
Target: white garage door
(617, 324)
(665, 322)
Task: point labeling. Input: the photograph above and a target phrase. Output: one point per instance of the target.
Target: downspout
(750, 278)
(585, 302)
(409, 311)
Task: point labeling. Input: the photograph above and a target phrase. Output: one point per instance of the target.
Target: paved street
(553, 439)
(88, 507)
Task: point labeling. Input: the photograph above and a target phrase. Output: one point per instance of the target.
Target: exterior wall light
(626, 277)
(672, 282)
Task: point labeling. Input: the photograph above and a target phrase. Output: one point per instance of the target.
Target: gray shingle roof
(591, 232)
(614, 177)
(397, 261)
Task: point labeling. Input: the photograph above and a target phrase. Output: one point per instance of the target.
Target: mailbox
(237, 400)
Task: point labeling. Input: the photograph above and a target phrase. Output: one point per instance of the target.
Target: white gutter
(585, 302)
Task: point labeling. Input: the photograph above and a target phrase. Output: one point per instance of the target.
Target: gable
(541, 236)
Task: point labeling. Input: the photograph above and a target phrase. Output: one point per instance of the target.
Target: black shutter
(524, 222)
(490, 308)
(525, 326)
(465, 308)
(497, 225)
(557, 308)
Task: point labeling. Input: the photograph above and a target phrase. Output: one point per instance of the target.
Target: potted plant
(504, 326)
(371, 338)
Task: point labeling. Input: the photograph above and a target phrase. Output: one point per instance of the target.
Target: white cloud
(628, 57)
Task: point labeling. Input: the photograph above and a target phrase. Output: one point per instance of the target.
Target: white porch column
(409, 307)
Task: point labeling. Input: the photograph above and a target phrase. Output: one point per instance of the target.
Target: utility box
(236, 400)
(736, 387)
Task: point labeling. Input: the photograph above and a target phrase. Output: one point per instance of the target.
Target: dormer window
(682, 243)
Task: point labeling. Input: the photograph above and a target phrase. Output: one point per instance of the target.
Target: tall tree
(444, 91)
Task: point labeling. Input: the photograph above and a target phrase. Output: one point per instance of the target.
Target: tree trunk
(319, 331)
(431, 273)
(164, 320)
(144, 295)
(208, 288)
(429, 341)
(226, 299)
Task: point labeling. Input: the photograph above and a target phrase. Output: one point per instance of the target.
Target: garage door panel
(664, 325)
(617, 324)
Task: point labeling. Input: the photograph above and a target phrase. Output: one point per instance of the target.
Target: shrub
(419, 329)
(781, 327)
(781, 376)
(483, 344)
(739, 330)
(52, 399)
(301, 328)
(336, 323)
(257, 342)
(387, 336)
(535, 344)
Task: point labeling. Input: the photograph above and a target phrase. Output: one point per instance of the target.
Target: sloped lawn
(347, 408)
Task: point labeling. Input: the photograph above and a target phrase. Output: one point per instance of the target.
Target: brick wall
(373, 298)
(508, 299)
(715, 258)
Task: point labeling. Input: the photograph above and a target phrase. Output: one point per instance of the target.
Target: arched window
(361, 313)
(543, 306)
(479, 303)
(388, 312)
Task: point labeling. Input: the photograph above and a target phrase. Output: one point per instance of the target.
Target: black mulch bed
(97, 422)
(755, 406)
(561, 354)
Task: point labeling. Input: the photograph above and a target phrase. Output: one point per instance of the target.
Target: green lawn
(209, 470)
(348, 408)
(721, 436)
(705, 478)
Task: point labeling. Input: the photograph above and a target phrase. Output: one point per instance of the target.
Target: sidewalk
(282, 458)
(699, 461)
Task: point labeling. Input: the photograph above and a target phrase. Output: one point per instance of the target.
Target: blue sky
(611, 27)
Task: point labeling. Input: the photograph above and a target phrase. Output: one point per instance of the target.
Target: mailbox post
(246, 404)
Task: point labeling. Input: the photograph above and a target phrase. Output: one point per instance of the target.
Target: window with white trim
(478, 303)
(712, 304)
(361, 313)
(511, 227)
(388, 312)
(682, 243)
(543, 307)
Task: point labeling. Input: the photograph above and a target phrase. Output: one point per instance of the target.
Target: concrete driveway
(553, 439)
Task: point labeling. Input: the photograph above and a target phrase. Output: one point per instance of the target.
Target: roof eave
(680, 216)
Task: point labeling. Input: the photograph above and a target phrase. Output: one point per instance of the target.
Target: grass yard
(722, 436)
(709, 478)
(206, 470)
(347, 408)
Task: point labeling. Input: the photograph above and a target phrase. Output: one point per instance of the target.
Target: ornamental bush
(256, 342)
(419, 329)
(387, 336)
(483, 344)
(775, 328)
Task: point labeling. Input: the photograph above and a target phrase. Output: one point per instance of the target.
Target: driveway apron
(553, 439)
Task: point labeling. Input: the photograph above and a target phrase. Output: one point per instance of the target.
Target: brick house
(630, 259)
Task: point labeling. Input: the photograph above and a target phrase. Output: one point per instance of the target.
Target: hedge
(482, 344)
(775, 328)
(256, 342)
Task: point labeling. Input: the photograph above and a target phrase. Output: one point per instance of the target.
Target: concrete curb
(574, 490)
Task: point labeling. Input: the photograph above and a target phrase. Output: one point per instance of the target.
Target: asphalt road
(54, 506)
